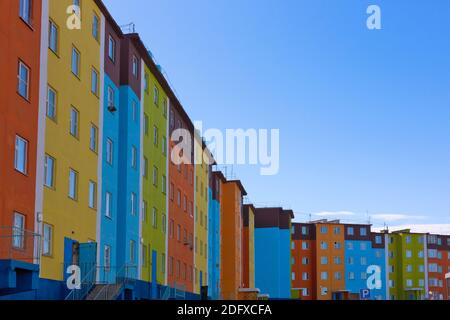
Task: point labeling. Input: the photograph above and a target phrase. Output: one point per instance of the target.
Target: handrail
(80, 292)
(119, 283)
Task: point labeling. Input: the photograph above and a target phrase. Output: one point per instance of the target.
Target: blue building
(214, 235)
(365, 262)
(273, 252)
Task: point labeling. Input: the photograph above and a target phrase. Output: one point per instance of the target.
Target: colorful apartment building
(248, 247)
(70, 204)
(438, 249)
(181, 199)
(231, 209)
(407, 265)
(20, 122)
(272, 238)
(365, 262)
(214, 233)
(201, 215)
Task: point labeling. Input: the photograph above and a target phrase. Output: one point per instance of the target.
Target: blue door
(88, 260)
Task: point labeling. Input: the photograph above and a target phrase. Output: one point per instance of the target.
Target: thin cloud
(390, 217)
(334, 213)
(422, 228)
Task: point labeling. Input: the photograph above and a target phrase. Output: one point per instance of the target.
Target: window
(144, 211)
(155, 176)
(23, 77)
(107, 257)
(133, 157)
(155, 95)
(25, 10)
(111, 97)
(408, 239)
(172, 119)
(409, 283)
(94, 81)
(53, 36)
(323, 245)
(75, 62)
(363, 275)
(391, 284)
(408, 254)
(108, 204)
(164, 184)
(421, 268)
(134, 110)
(163, 263)
(21, 155)
(337, 276)
(19, 231)
(337, 260)
(305, 276)
(146, 121)
(179, 198)
(432, 267)
(92, 195)
(109, 151)
(165, 108)
(350, 245)
(337, 230)
(51, 103)
(95, 26)
(304, 230)
(155, 218)
(351, 261)
(74, 119)
(324, 290)
(132, 251)
(378, 254)
(93, 138)
(135, 66)
(49, 171)
(112, 49)
(144, 255)
(363, 232)
(350, 231)
(337, 245)
(133, 203)
(363, 246)
(155, 135)
(324, 275)
(73, 184)
(293, 276)
(145, 169)
(324, 260)
(391, 269)
(363, 261)
(323, 230)
(163, 223)
(409, 268)
(378, 240)
(305, 261)
(164, 146)
(351, 276)
(292, 245)
(47, 247)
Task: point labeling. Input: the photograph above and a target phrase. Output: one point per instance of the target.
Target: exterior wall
(214, 233)
(181, 217)
(154, 193)
(248, 249)
(335, 282)
(399, 244)
(231, 225)
(201, 218)
(72, 220)
(273, 252)
(110, 171)
(438, 248)
(304, 262)
(18, 116)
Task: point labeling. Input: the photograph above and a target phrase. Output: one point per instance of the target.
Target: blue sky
(364, 116)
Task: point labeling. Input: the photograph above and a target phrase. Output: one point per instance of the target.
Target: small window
(350, 231)
(146, 82)
(23, 77)
(94, 81)
(95, 27)
(133, 201)
(111, 97)
(144, 211)
(21, 155)
(132, 251)
(51, 103)
(49, 172)
(107, 257)
(109, 151)
(112, 49)
(155, 135)
(108, 204)
(75, 62)
(135, 66)
(93, 138)
(92, 195)
(145, 168)
(155, 218)
(47, 248)
(133, 157)
(73, 184)
(26, 8)
(155, 96)
(74, 122)
(19, 231)
(146, 124)
(155, 176)
(53, 32)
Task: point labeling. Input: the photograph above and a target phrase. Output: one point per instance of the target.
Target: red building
(20, 36)
(438, 266)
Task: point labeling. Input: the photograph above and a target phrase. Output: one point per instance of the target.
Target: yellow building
(74, 99)
(201, 216)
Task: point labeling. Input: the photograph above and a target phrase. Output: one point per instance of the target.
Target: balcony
(19, 260)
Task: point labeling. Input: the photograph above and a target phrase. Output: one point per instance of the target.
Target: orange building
(438, 266)
(231, 209)
(181, 204)
(20, 38)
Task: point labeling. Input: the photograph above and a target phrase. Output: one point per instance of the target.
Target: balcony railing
(19, 244)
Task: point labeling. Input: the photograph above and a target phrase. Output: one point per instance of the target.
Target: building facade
(214, 233)
(248, 247)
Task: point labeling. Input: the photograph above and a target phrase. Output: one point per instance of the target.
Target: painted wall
(71, 219)
(214, 236)
(154, 192)
(248, 247)
(18, 116)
